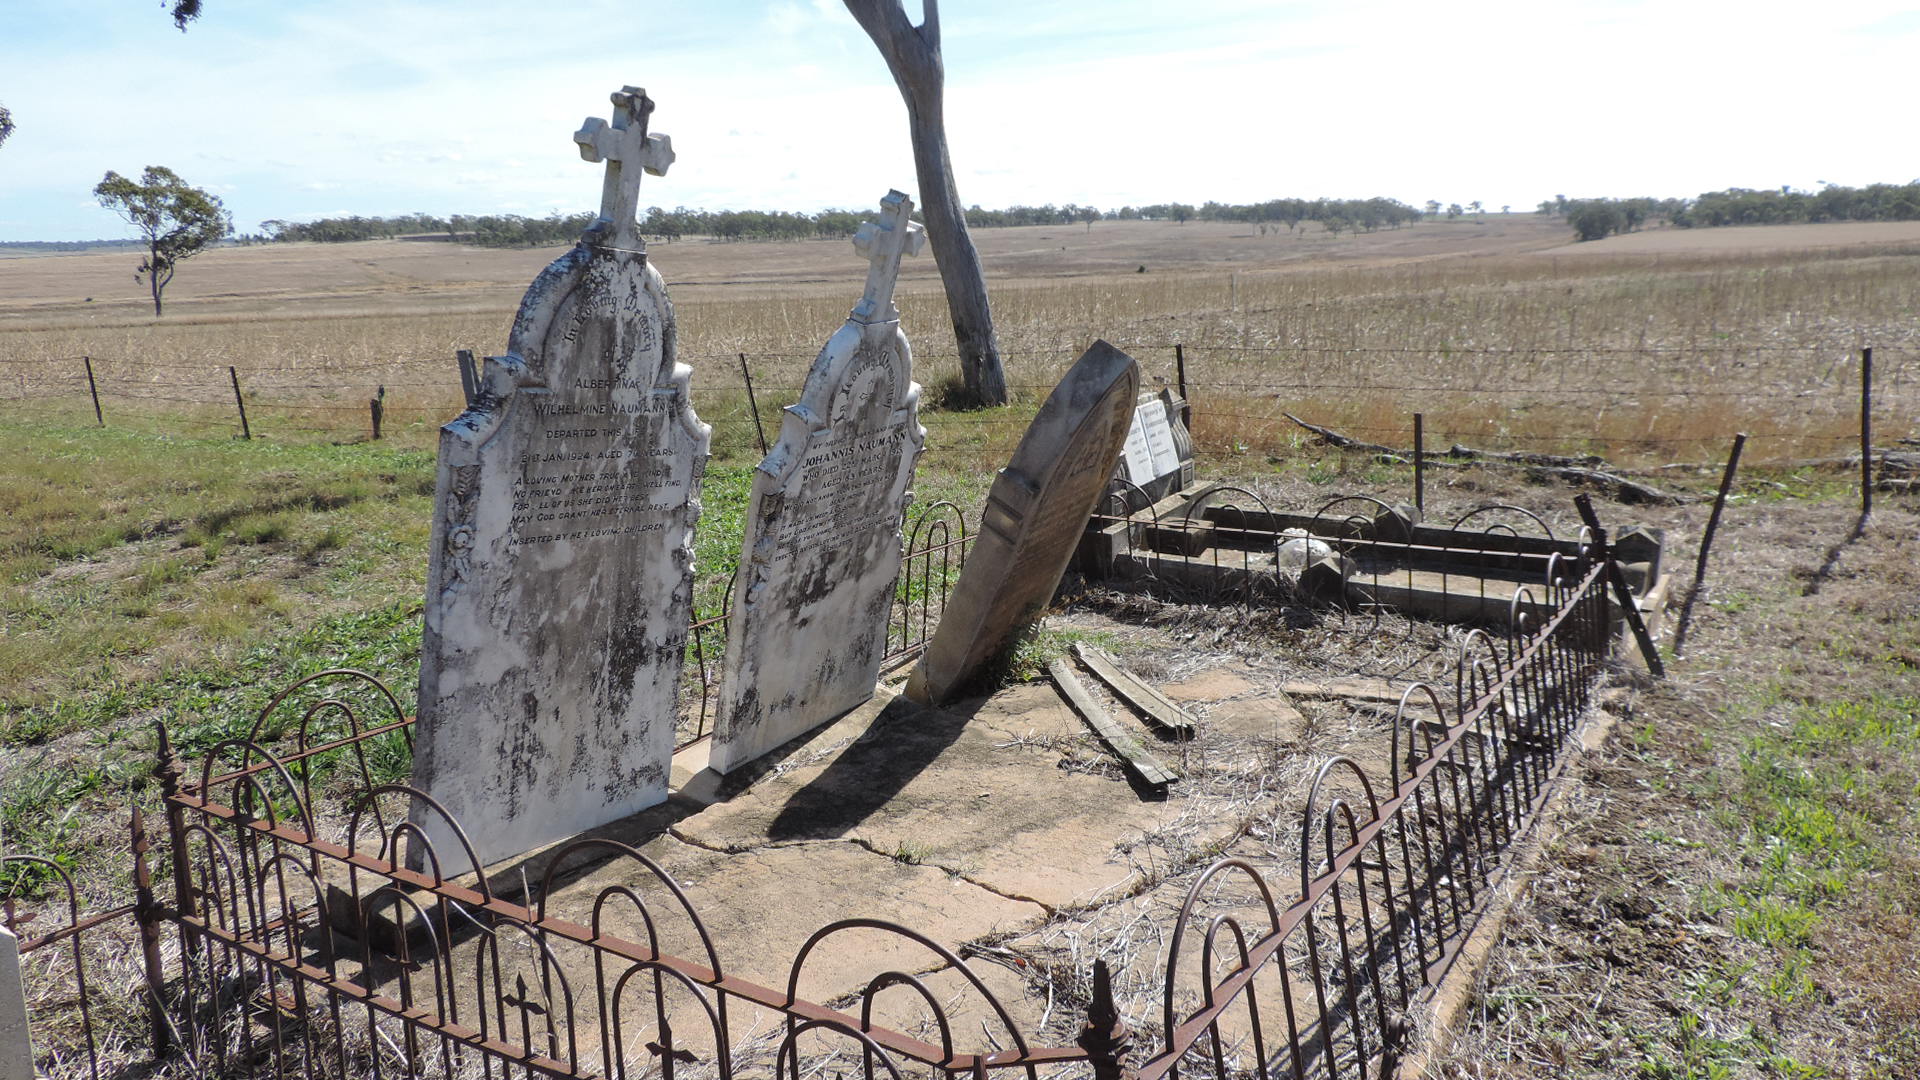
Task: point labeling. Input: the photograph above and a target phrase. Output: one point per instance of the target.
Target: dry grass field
(1504, 334)
(159, 568)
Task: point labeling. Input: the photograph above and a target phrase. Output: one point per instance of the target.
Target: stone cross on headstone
(560, 581)
(883, 243)
(629, 151)
(822, 550)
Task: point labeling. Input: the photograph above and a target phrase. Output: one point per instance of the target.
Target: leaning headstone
(16, 1038)
(1035, 512)
(822, 549)
(560, 583)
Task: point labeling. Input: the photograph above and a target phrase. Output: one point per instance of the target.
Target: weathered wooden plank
(1168, 720)
(1144, 766)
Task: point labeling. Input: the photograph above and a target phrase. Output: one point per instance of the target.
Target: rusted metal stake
(1706, 541)
(167, 771)
(758, 433)
(147, 914)
(1628, 605)
(94, 389)
(1105, 1038)
(1419, 463)
(245, 431)
(1866, 431)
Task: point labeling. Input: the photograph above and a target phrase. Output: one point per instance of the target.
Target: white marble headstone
(560, 583)
(822, 548)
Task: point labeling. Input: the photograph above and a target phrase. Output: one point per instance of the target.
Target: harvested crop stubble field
(1734, 889)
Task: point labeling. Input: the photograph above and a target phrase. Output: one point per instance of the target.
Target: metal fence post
(1706, 541)
(245, 431)
(94, 389)
(1105, 1038)
(758, 433)
(1419, 463)
(1866, 430)
(147, 914)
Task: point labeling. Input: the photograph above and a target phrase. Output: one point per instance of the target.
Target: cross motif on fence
(628, 152)
(528, 1007)
(883, 244)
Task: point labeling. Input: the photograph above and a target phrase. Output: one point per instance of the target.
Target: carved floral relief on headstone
(560, 582)
(822, 546)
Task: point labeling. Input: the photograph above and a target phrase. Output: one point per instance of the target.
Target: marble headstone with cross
(822, 549)
(1036, 510)
(560, 582)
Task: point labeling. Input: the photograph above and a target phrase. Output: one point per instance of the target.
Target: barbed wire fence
(1637, 407)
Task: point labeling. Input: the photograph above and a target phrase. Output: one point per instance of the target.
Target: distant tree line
(1593, 219)
(1335, 215)
(513, 230)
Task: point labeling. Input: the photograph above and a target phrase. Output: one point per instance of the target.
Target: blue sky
(295, 109)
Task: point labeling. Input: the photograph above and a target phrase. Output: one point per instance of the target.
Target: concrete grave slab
(978, 791)
(822, 547)
(560, 580)
(1036, 510)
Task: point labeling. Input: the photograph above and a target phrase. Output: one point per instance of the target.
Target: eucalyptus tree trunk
(913, 56)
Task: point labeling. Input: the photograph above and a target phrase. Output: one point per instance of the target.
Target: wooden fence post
(377, 405)
(469, 380)
(1180, 376)
(94, 389)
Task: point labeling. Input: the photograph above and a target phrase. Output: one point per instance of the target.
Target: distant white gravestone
(560, 583)
(822, 548)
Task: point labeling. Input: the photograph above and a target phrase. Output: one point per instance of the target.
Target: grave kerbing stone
(1034, 515)
(822, 546)
(560, 582)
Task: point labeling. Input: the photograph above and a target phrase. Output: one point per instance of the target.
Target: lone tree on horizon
(176, 219)
(912, 54)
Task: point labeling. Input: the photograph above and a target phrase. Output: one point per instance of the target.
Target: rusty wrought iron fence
(310, 930)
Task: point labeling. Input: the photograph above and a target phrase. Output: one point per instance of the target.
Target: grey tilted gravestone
(822, 547)
(16, 1038)
(1035, 512)
(1157, 457)
(560, 583)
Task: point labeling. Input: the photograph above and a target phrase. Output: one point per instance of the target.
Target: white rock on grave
(560, 582)
(822, 546)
